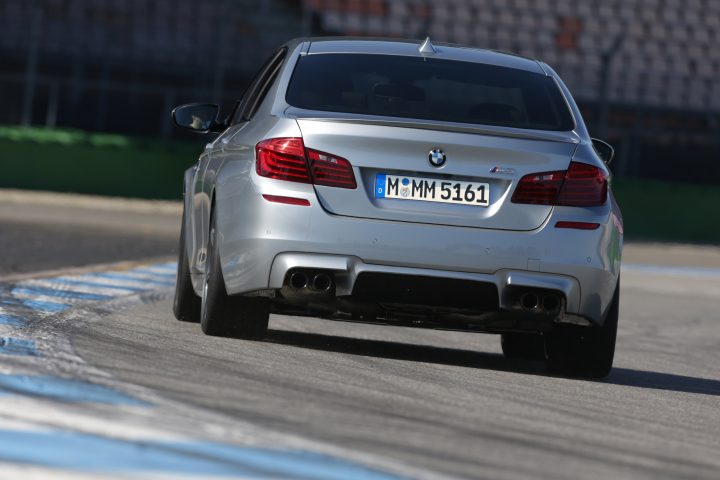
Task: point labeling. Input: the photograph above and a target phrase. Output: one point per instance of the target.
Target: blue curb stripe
(52, 292)
(64, 390)
(288, 463)
(145, 271)
(37, 305)
(49, 307)
(84, 283)
(18, 346)
(11, 320)
(166, 266)
(172, 269)
(169, 266)
(84, 452)
(120, 276)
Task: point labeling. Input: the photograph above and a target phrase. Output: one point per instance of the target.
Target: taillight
(539, 188)
(288, 159)
(282, 159)
(585, 186)
(330, 170)
(582, 185)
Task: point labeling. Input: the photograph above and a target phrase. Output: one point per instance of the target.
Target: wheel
(584, 351)
(186, 305)
(224, 315)
(526, 346)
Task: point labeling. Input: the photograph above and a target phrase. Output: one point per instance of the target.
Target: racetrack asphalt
(408, 402)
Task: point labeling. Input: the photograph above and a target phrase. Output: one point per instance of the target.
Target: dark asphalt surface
(445, 402)
(28, 247)
(41, 231)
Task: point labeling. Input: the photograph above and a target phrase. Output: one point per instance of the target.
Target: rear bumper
(346, 271)
(261, 241)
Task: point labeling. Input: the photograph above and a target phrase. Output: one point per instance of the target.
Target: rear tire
(525, 346)
(224, 315)
(186, 305)
(584, 351)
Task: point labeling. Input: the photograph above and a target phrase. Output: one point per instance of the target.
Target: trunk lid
(401, 148)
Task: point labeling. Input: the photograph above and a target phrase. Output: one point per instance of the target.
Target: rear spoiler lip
(546, 135)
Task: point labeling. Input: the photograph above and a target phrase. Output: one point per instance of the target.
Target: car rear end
(453, 190)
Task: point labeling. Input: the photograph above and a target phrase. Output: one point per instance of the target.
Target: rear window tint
(429, 89)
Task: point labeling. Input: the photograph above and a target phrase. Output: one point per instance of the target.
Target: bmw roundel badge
(437, 157)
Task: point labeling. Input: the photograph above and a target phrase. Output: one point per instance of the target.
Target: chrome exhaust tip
(298, 280)
(321, 282)
(529, 301)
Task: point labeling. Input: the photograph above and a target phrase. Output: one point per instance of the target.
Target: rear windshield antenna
(427, 48)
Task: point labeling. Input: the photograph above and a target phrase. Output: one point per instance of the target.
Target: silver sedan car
(405, 183)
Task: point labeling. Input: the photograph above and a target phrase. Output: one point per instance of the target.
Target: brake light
(288, 159)
(539, 188)
(330, 170)
(582, 185)
(585, 186)
(282, 159)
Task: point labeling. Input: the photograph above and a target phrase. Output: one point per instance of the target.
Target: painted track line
(83, 286)
(91, 443)
(31, 303)
(74, 271)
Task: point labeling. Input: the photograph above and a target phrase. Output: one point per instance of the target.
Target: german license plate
(432, 190)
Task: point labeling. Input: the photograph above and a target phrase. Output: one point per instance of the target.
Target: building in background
(646, 72)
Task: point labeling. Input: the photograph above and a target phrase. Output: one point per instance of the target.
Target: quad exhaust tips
(548, 303)
(529, 301)
(298, 280)
(319, 282)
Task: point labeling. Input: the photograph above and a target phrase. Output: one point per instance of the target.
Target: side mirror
(604, 150)
(198, 117)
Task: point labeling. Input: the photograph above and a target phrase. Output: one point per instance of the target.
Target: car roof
(410, 47)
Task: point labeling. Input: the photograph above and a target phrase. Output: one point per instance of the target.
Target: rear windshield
(429, 89)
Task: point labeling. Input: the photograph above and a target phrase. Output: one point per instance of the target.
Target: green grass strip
(107, 164)
(669, 211)
(103, 164)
